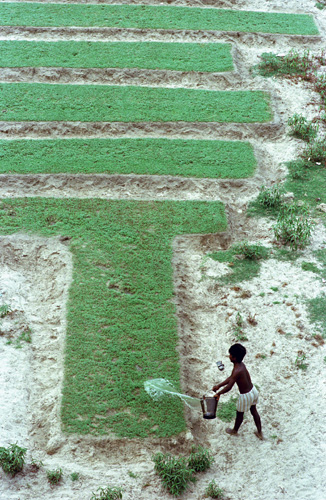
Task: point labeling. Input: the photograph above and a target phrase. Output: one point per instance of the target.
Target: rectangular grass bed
(188, 158)
(44, 102)
(147, 55)
(155, 17)
(121, 322)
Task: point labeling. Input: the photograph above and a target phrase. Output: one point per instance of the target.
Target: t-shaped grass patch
(121, 323)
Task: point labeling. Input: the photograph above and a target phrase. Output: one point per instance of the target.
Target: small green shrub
(12, 459)
(302, 128)
(270, 197)
(226, 411)
(251, 251)
(293, 226)
(74, 476)
(298, 170)
(320, 86)
(200, 459)
(108, 493)
(315, 151)
(4, 310)
(54, 476)
(321, 5)
(36, 464)
(213, 491)
(300, 361)
(174, 472)
(310, 266)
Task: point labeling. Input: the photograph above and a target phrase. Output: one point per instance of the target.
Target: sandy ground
(35, 274)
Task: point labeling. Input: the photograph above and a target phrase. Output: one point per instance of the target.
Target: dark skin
(241, 377)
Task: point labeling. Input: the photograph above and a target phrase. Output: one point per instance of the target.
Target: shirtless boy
(248, 397)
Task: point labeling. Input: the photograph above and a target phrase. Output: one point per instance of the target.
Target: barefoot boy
(248, 397)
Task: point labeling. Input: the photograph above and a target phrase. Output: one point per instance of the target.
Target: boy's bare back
(242, 378)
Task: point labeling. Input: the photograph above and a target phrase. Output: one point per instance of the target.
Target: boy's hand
(216, 387)
(217, 396)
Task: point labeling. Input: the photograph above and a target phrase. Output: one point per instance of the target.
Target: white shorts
(245, 401)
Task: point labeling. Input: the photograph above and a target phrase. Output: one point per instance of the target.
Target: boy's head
(238, 352)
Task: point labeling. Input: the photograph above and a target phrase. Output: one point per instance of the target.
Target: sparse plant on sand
(251, 251)
(270, 198)
(12, 459)
(74, 476)
(107, 493)
(174, 472)
(54, 476)
(293, 226)
(213, 491)
(300, 361)
(4, 310)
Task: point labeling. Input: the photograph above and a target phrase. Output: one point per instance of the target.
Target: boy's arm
(228, 386)
(221, 384)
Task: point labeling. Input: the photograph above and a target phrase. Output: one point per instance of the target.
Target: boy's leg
(238, 422)
(255, 414)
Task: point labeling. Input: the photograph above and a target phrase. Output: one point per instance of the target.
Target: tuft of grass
(302, 128)
(54, 476)
(174, 472)
(74, 476)
(12, 459)
(300, 361)
(293, 226)
(108, 493)
(310, 266)
(315, 152)
(200, 459)
(213, 491)
(226, 411)
(4, 310)
(251, 251)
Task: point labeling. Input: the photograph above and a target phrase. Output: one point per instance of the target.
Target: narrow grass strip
(121, 323)
(43, 102)
(155, 17)
(210, 57)
(187, 158)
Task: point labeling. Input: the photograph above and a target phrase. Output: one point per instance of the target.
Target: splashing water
(159, 387)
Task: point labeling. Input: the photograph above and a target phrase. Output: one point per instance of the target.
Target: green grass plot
(121, 322)
(187, 158)
(44, 102)
(147, 55)
(155, 17)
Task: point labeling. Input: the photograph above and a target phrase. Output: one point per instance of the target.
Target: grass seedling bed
(37, 101)
(155, 17)
(121, 324)
(147, 55)
(187, 158)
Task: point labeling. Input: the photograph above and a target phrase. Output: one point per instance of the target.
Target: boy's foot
(259, 435)
(231, 431)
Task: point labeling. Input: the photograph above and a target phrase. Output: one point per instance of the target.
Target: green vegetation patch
(155, 17)
(148, 55)
(121, 324)
(43, 102)
(194, 158)
(242, 266)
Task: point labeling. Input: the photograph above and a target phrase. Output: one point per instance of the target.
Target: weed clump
(300, 361)
(288, 64)
(251, 251)
(200, 459)
(270, 198)
(293, 226)
(54, 476)
(107, 493)
(174, 472)
(302, 128)
(12, 459)
(213, 491)
(315, 152)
